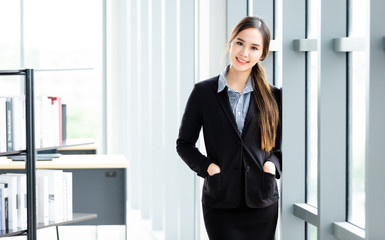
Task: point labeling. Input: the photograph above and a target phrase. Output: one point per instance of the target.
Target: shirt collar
(222, 82)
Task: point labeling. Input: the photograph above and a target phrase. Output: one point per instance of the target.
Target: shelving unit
(30, 162)
(77, 217)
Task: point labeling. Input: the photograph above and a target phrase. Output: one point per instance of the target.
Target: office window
(311, 232)
(312, 85)
(10, 47)
(10, 34)
(68, 35)
(358, 81)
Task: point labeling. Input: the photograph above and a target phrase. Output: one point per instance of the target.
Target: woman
(240, 116)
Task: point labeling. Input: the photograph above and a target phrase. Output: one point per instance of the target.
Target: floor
(137, 229)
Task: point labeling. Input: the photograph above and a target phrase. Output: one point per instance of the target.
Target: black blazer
(227, 148)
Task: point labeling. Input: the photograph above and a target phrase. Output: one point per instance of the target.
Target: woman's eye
(254, 48)
(239, 43)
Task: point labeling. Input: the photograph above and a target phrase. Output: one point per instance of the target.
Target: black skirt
(241, 223)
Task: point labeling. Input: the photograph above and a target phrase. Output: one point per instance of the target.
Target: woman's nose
(244, 52)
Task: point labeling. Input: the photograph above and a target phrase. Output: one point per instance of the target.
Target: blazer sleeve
(275, 155)
(188, 135)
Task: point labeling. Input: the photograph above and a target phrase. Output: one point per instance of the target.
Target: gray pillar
(332, 120)
(375, 164)
(293, 128)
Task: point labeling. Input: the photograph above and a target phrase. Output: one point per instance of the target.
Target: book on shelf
(55, 190)
(9, 125)
(11, 181)
(50, 122)
(64, 122)
(4, 206)
(21, 198)
(54, 202)
(18, 122)
(42, 200)
(1, 209)
(3, 124)
(67, 196)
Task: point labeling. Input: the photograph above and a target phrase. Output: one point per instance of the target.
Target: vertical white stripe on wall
(186, 177)
(114, 74)
(144, 108)
(150, 115)
(171, 123)
(134, 161)
(128, 103)
(293, 126)
(157, 156)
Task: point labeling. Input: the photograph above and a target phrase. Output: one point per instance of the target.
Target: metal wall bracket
(305, 45)
(345, 230)
(349, 44)
(307, 213)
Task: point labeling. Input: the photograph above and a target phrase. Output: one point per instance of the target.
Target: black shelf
(69, 143)
(12, 72)
(30, 163)
(77, 217)
(12, 153)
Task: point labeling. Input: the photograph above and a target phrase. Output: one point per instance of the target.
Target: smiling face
(246, 49)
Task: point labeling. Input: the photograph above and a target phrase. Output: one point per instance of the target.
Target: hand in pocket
(213, 169)
(269, 167)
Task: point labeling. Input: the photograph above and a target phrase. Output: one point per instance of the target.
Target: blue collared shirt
(239, 102)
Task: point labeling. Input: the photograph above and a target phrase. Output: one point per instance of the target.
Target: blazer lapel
(252, 112)
(225, 104)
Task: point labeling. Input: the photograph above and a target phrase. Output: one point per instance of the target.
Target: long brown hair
(263, 95)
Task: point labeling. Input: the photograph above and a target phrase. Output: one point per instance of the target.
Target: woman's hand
(269, 167)
(213, 169)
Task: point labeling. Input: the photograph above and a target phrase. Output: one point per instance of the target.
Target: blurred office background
(146, 55)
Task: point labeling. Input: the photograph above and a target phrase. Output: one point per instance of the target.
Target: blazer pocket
(214, 185)
(269, 185)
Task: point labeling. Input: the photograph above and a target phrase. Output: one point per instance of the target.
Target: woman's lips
(241, 61)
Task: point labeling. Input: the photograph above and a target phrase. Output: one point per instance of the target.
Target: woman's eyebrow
(254, 44)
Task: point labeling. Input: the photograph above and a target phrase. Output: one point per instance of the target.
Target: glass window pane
(10, 37)
(311, 232)
(82, 101)
(62, 34)
(357, 115)
(68, 35)
(312, 105)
